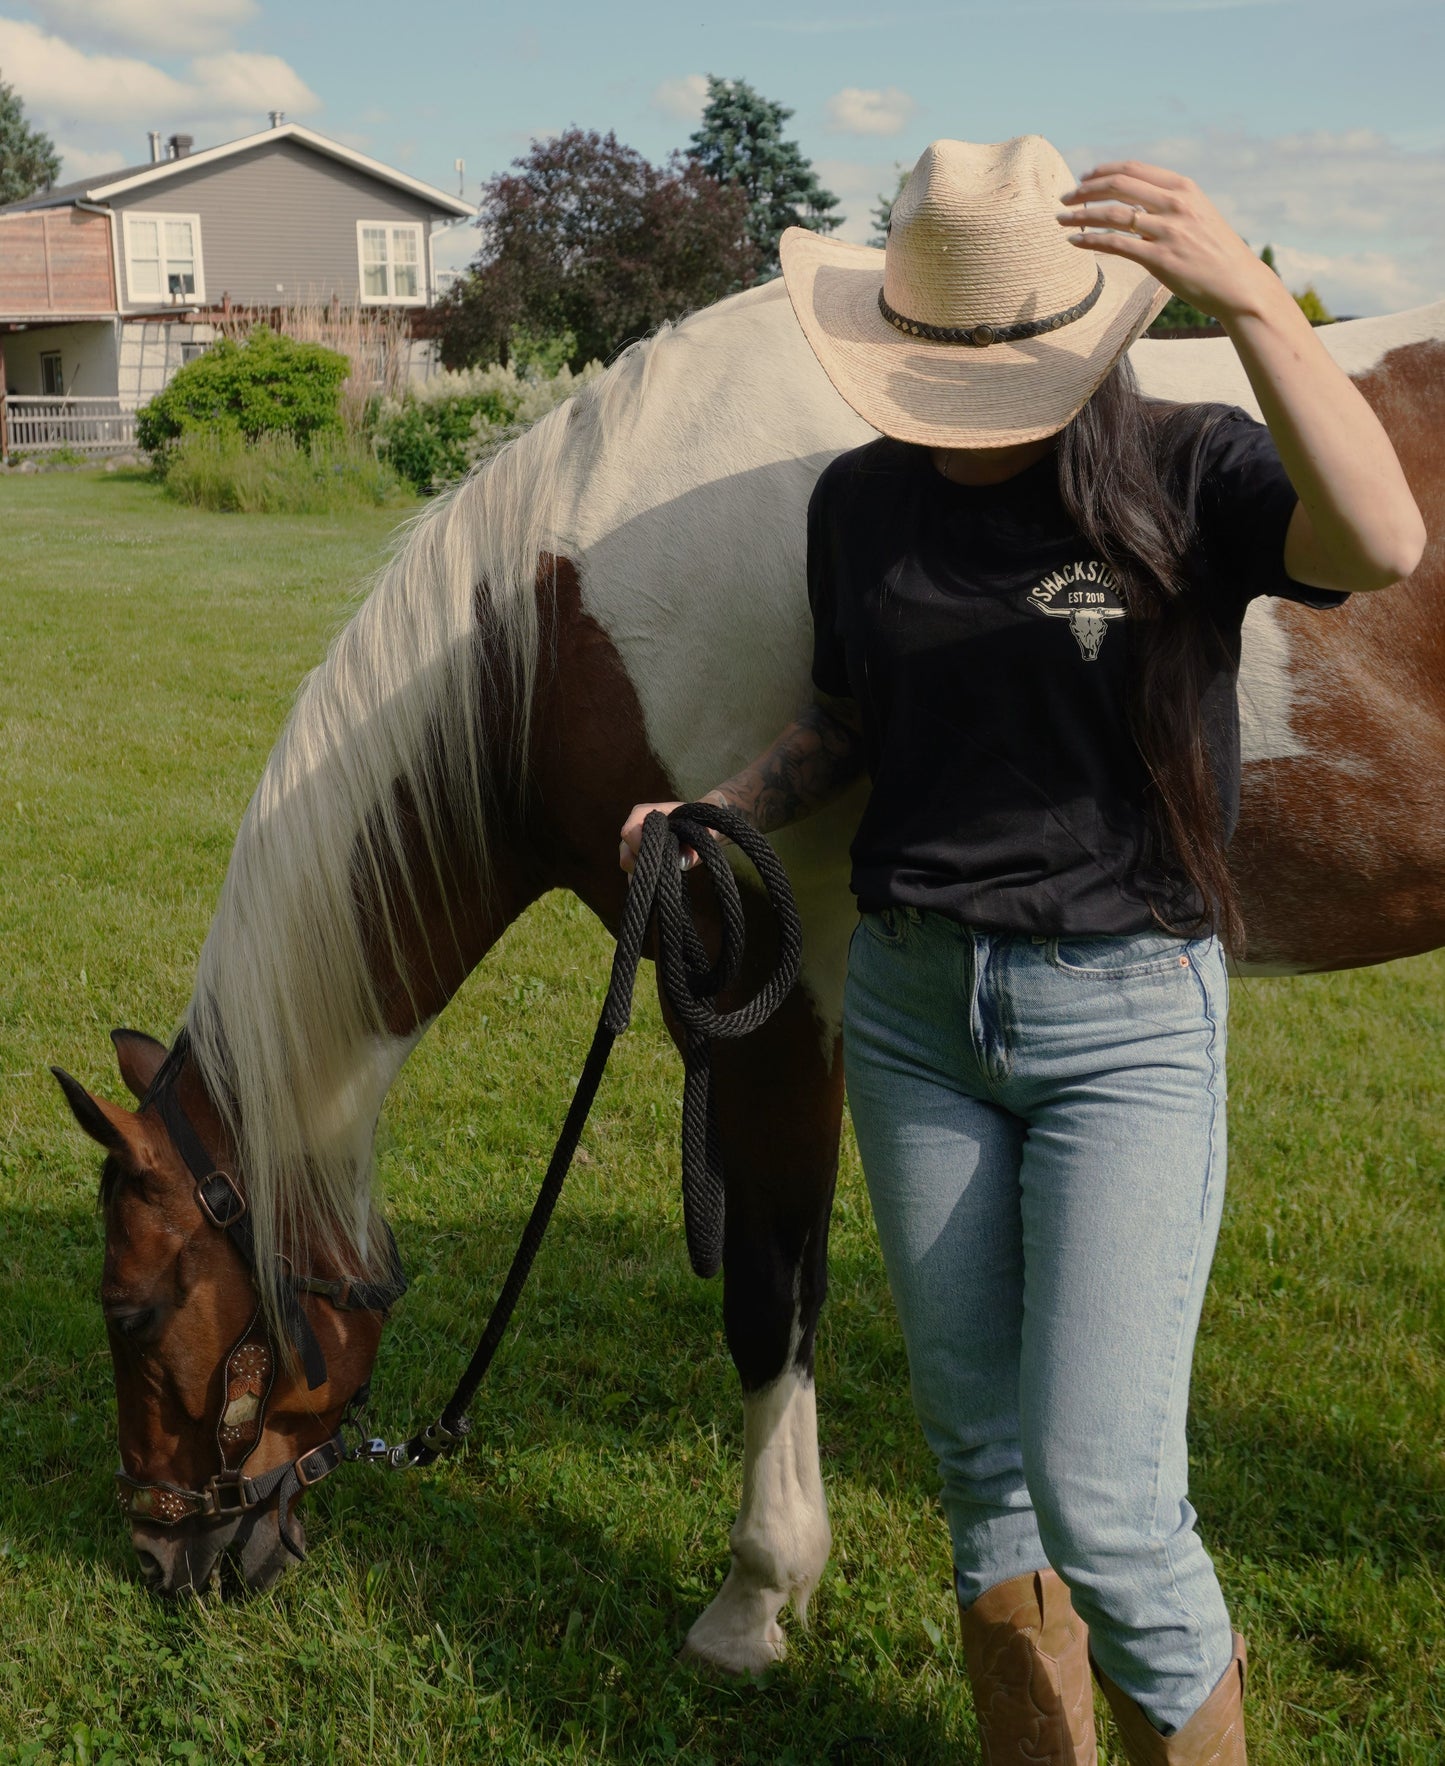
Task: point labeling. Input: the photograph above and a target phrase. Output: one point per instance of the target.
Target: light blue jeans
(1042, 1127)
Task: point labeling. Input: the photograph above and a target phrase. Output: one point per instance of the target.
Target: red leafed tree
(584, 238)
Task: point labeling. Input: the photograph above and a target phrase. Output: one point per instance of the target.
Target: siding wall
(280, 213)
(55, 261)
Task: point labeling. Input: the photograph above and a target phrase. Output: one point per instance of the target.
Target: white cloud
(860, 110)
(682, 98)
(85, 162)
(63, 84)
(1359, 216)
(173, 26)
(246, 84)
(57, 80)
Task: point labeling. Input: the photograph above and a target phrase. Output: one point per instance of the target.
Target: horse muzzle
(179, 1561)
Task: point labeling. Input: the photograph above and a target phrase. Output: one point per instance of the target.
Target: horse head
(228, 1408)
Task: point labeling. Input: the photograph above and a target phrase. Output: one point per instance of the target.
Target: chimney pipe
(181, 145)
(277, 118)
(155, 138)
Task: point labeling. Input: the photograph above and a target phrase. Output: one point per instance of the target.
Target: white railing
(46, 425)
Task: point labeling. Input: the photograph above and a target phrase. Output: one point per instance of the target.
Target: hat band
(981, 336)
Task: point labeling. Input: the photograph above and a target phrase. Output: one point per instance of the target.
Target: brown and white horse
(611, 610)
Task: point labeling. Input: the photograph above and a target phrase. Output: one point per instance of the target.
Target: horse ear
(101, 1121)
(140, 1058)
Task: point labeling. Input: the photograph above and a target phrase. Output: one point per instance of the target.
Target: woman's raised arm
(1357, 526)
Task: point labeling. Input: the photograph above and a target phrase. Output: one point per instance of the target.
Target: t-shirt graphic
(1087, 595)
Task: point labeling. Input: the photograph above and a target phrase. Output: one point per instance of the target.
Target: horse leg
(779, 1099)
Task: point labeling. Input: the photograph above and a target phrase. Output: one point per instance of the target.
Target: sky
(1317, 125)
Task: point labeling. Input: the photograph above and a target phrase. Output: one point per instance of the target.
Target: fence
(46, 425)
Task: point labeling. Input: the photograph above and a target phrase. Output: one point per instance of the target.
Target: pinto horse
(610, 610)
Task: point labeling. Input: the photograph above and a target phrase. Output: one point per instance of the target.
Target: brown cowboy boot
(1213, 1736)
(1027, 1653)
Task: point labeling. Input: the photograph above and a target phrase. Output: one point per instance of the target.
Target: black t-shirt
(987, 649)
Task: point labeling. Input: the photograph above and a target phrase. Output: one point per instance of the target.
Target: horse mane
(285, 1026)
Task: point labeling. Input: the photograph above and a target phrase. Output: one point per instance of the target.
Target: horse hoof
(715, 1650)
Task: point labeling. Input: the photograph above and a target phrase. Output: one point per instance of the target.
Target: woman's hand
(632, 834)
(1165, 222)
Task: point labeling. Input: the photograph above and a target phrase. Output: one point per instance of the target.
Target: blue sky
(1318, 127)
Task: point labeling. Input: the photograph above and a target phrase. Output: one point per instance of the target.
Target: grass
(526, 1603)
(211, 469)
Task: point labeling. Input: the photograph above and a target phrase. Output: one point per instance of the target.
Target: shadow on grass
(615, 1365)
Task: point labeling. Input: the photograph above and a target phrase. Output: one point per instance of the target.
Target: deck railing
(46, 425)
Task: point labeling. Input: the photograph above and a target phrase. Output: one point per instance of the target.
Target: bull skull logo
(1085, 595)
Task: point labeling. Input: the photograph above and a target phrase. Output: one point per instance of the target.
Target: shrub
(268, 385)
(219, 469)
(440, 429)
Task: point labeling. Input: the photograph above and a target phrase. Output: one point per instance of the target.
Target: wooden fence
(46, 425)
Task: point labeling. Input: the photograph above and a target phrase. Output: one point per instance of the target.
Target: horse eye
(133, 1324)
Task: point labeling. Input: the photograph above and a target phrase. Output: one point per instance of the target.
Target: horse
(609, 610)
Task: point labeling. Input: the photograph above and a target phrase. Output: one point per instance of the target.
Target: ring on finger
(1135, 210)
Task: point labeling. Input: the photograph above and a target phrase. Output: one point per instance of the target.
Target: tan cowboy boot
(1213, 1736)
(1027, 1652)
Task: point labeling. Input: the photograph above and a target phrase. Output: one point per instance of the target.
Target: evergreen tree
(883, 214)
(740, 141)
(28, 160)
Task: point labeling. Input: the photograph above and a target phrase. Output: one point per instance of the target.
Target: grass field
(526, 1604)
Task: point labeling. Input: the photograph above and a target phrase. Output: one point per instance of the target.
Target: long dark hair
(1124, 465)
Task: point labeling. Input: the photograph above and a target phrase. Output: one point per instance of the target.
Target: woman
(1027, 600)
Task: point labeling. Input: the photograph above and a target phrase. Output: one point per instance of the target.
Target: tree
(883, 214)
(740, 142)
(584, 236)
(28, 160)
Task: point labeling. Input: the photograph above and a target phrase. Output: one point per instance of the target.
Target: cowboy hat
(978, 325)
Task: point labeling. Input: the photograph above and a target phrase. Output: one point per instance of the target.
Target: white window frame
(132, 299)
(419, 299)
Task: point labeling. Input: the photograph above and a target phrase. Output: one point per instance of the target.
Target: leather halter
(250, 1367)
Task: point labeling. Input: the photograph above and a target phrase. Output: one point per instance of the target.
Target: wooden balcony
(56, 264)
(46, 426)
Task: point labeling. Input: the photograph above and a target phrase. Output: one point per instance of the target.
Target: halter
(250, 1367)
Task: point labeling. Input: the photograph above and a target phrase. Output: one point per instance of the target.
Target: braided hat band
(981, 336)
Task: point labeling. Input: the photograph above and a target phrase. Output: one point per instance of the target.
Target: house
(109, 284)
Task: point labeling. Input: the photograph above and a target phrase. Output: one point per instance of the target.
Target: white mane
(285, 1023)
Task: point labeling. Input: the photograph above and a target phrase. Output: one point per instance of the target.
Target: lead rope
(690, 985)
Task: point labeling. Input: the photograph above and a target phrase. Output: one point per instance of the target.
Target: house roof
(108, 184)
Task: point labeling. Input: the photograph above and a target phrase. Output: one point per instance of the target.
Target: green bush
(439, 430)
(268, 385)
(211, 469)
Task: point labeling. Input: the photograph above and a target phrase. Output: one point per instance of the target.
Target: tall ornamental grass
(220, 470)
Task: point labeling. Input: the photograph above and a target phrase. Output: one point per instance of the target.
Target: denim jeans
(1042, 1127)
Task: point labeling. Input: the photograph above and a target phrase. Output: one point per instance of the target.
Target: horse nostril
(151, 1567)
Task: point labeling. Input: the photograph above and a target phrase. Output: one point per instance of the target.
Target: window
(52, 376)
(163, 260)
(390, 261)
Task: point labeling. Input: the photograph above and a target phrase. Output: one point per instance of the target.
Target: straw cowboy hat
(978, 325)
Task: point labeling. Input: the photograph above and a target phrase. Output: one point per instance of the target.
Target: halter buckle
(241, 1489)
(223, 1222)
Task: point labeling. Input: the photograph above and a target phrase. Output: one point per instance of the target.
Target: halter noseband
(250, 1367)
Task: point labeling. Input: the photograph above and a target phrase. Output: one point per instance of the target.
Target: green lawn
(526, 1603)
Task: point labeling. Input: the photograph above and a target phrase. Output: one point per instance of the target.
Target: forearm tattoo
(816, 757)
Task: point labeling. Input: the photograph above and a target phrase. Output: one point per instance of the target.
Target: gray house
(109, 284)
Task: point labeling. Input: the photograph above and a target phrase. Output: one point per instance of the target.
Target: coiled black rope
(690, 983)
